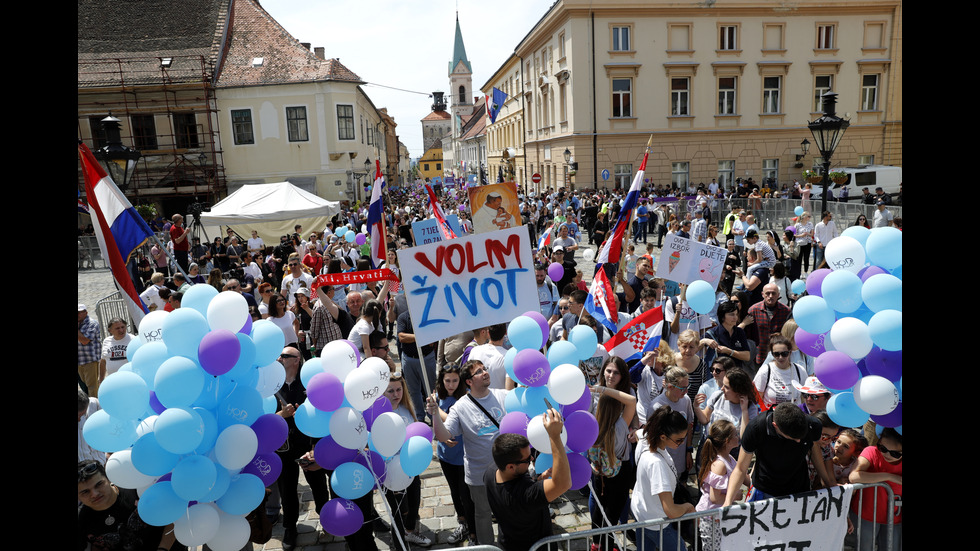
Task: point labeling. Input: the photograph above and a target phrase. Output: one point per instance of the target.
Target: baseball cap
(811, 385)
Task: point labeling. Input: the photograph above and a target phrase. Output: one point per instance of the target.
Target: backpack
(763, 406)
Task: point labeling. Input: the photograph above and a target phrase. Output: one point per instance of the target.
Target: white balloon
(121, 472)
(233, 533)
(845, 253)
(851, 336)
(271, 379)
(228, 310)
(538, 436)
(146, 425)
(395, 478)
(379, 366)
(348, 428)
(198, 525)
(151, 326)
(362, 388)
(588, 255)
(388, 433)
(339, 358)
(875, 395)
(236, 446)
(566, 384)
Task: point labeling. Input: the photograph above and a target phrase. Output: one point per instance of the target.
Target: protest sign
(685, 261)
(468, 282)
(494, 207)
(811, 520)
(427, 231)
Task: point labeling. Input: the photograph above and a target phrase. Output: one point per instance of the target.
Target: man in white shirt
(823, 232)
(882, 217)
(255, 243)
(492, 354)
(483, 217)
(295, 279)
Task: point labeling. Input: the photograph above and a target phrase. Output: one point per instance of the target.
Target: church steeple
(460, 77)
(459, 51)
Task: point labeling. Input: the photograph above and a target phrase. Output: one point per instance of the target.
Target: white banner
(685, 261)
(807, 521)
(468, 282)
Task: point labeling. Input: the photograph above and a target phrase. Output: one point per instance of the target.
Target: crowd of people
(679, 427)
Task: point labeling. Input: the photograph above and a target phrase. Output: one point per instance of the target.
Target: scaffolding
(168, 112)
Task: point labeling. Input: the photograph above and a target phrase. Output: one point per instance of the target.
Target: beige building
(508, 130)
(726, 91)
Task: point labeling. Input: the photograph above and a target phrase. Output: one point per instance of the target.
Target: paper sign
(685, 261)
(468, 282)
(427, 231)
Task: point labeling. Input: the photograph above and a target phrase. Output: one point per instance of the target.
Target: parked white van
(888, 178)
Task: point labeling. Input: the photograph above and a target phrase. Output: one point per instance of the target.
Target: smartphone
(547, 403)
(304, 462)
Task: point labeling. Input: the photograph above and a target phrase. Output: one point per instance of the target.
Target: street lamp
(827, 132)
(118, 159)
(805, 146)
(568, 156)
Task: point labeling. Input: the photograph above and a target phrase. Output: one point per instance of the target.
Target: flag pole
(629, 227)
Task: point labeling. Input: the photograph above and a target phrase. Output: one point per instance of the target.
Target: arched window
(462, 94)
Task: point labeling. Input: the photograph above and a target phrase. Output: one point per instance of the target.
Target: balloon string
(391, 518)
(602, 509)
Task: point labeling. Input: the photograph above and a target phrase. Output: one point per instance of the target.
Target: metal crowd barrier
(582, 540)
(111, 306)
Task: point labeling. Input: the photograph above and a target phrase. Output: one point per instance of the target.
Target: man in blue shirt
(642, 220)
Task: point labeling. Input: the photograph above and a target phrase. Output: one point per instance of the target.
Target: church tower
(460, 77)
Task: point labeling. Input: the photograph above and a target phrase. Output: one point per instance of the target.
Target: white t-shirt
(776, 385)
(689, 320)
(291, 284)
(285, 323)
(492, 357)
(114, 352)
(362, 327)
(655, 474)
(477, 430)
(255, 244)
(685, 408)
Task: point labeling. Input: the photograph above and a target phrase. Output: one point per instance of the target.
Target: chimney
(319, 51)
(305, 45)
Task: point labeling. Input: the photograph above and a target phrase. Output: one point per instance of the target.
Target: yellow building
(430, 165)
(726, 88)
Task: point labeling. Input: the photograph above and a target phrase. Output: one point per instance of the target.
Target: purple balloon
(266, 466)
(868, 272)
(247, 328)
(418, 428)
(581, 470)
(836, 370)
(155, 404)
(545, 328)
(582, 404)
(582, 430)
(531, 367)
(271, 431)
(218, 351)
(330, 455)
(514, 422)
(556, 271)
(341, 517)
(377, 463)
(815, 280)
(891, 419)
(325, 392)
(809, 343)
(790, 229)
(360, 239)
(885, 363)
(381, 405)
(462, 208)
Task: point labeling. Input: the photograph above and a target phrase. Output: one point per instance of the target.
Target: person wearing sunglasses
(879, 463)
(775, 379)
(675, 395)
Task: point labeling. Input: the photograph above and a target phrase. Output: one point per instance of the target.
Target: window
(185, 126)
(680, 174)
(821, 85)
(874, 35)
(770, 172)
(345, 122)
(98, 133)
(869, 93)
(370, 135)
(622, 97)
(144, 132)
(866, 159)
(770, 94)
(561, 46)
(296, 124)
(621, 39)
(726, 174)
(438, 166)
(624, 175)
(563, 99)
(680, 97)
(425, 167)
(241, 123)
(726, 95)
(825, 37)
(462, 95)
(728, 39)
(773, 36)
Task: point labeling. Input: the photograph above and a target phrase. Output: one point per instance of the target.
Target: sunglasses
(780, 354)
(717, 370)
(524, 461)
(893, 453)
(283, 356)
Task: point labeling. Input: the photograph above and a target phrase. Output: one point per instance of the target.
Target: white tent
(272, 210)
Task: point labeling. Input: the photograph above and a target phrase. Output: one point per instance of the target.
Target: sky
(408, 44)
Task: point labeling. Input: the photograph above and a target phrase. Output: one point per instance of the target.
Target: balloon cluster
(851, 321)
(557, 378)
(190, 418)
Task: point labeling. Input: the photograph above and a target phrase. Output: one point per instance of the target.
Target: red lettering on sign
(513, 247)
(469, 257)
(424, 260)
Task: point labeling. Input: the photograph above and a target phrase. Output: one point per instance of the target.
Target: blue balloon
(351, 480)
(882, 292)
(151, 459)
(178, 382)
(863, 313)
(798, 210)
(844, 411)
(416, 455)
(179, 430)
(544, 462)
(221, 483)
(509, 364)
(562, 352)
(350, 236)
(269, 404)
(131, 349)
(813, 314)
(243, 405)
(210, 435)
(148, 359)
(858, 233)
(842, 291)
(585, 341)
(798, 287)
(197, 298)
(246, 359)
(215, 390)
(534, 398)
(183, 330)
(269, 341)
(124, 395)
(525, 333)
(311, 368)
(514, 401)
(107, 433)
(341, 231)
(700, 296)
(313, 422)
(885, 329)
(244, 493)
(160, 505)
(194, 477)
(884, 247)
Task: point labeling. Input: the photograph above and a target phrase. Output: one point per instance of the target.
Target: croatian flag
(613, 248)
(444, 227)
(639, 336)
(545, 238)
(376, 220)
(119, 229)
(601, 304)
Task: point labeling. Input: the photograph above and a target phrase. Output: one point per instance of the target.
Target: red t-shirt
(877, 498)
(176, 232)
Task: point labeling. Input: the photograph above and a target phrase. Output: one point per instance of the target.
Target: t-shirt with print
(478, 431)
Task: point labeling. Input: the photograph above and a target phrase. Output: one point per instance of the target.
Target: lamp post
(118, 159)
(827, 132)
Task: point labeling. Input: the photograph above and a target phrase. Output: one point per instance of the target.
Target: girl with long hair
(449, 390)
(405, 504)
(714, 478)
